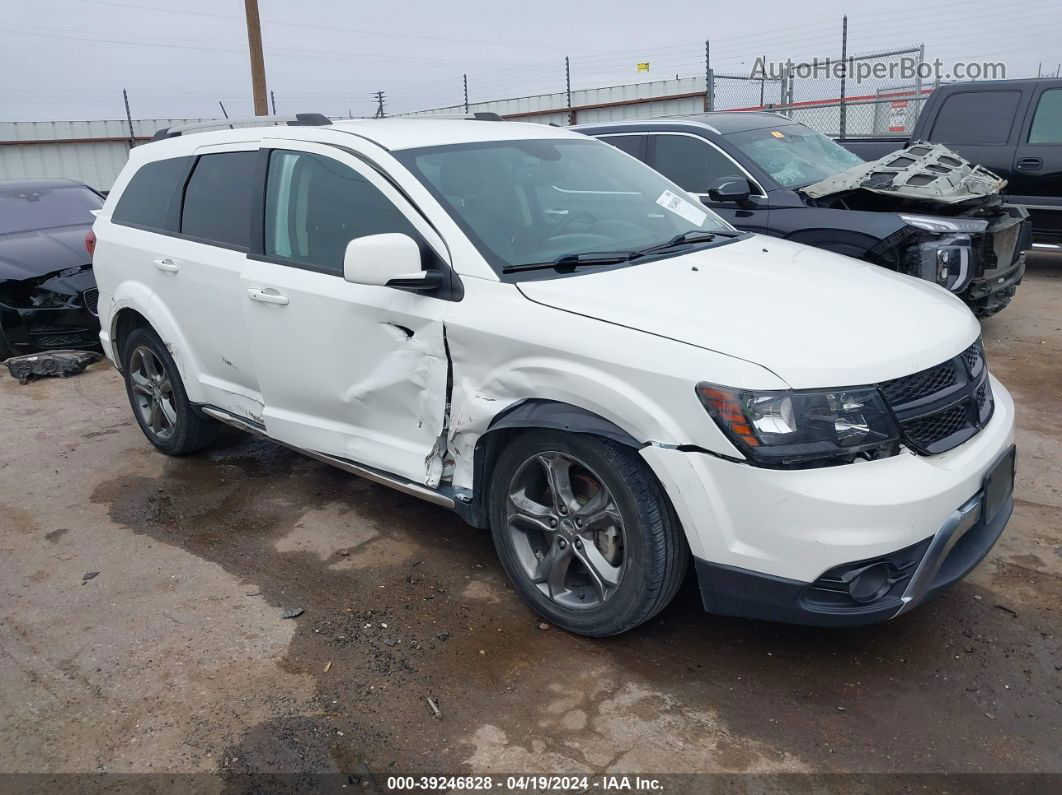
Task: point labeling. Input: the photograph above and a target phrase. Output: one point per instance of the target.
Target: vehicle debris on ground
(53, 363)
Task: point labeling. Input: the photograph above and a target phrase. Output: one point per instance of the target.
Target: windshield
(534, 201)
(25, 209)
(793, 155)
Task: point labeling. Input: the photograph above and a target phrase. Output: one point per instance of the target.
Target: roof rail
(479, 115)
(298, 120)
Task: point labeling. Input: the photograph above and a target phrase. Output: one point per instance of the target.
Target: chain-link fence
(744, 92)
(892, 113)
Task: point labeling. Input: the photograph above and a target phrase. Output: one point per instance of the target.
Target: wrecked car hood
(814, 318)
(24, 255)
(922, 171)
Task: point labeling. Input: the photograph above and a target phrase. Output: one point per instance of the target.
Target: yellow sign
(643, 67)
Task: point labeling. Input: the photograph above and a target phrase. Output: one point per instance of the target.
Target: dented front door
(350, 370)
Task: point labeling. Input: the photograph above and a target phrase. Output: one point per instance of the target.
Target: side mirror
(734, 190)
(389, 260)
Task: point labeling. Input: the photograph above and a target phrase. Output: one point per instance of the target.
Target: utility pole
(466, 93)
(844, 73)
(568, 83)
(273, 102)
(254, 44)
(129, 118)
(379, 95)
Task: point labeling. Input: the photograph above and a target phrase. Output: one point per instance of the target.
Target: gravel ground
(175, 657)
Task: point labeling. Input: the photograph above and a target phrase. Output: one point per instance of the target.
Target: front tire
(157, 397)
(585, 532)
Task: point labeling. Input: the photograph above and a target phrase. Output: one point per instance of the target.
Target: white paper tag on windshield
(681, 207)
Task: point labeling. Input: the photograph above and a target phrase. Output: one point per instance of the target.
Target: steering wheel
(576, 215)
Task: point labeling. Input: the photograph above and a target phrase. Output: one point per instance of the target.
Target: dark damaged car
(47, 289)
(923, 211)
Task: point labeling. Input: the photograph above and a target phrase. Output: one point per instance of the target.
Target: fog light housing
(869, 583)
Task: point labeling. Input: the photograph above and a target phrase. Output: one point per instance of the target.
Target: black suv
(923, 211)
(47, 290)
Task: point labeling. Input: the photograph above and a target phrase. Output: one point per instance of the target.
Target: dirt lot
(175, 657)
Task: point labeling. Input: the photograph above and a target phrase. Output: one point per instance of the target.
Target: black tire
(654, 552)
(188, 430)
(5, 351)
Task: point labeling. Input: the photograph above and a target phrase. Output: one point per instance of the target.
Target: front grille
(934, 427)
(974, 359)
(942, 407)
(61, 340)
(91, 297)
(920, 385)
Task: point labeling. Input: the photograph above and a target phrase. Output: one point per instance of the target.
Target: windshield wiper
(575, 260)
(692, 236)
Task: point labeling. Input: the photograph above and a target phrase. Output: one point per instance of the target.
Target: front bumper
(998, 280)
(37, 330)
(786, 529)
(921, 572)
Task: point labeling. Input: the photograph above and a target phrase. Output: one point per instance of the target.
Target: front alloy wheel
(566, 530)
(584, 531)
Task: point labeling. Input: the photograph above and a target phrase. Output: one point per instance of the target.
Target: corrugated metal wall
(632, 101)
(90, 151)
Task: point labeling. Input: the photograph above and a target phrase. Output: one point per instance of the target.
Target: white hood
(814, 318)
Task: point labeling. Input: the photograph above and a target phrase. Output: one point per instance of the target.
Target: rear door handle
(267, 296)
(1030, 163)
(167, 265)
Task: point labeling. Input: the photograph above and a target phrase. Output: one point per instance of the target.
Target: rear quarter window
(976, 117)
(152, 197)
(217, 201)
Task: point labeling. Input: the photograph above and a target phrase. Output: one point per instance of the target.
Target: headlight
(786, 428)
(933, 223)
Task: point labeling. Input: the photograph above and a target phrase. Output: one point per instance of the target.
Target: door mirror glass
(382, 260)
(729, 189)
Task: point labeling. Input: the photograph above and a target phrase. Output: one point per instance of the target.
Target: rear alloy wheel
(158, 399)
(152, 393)
(585, 532)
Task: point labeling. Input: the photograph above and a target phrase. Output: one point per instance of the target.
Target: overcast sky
(70, 59)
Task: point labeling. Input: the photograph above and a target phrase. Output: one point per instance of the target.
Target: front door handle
(267, 296)
(1030, 163)
(166, 265)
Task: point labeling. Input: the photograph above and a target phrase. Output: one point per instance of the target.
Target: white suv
(541, 333)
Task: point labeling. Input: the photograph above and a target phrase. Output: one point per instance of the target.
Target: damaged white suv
(539, 332)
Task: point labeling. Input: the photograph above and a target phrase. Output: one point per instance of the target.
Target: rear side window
(631, 144)
(217, 201)
(691, 163)
(316, 205)
(976, 117)
(1047, 123)
(150, 198)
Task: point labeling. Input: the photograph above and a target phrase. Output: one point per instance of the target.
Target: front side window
(150, 199)
(976, 117)
(315, 206)
(1047, 123)
(527, 202)
(691, 162)
(27, 208)
(217, 201)
(794, 155)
